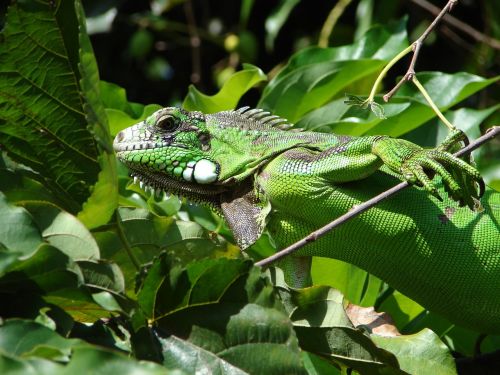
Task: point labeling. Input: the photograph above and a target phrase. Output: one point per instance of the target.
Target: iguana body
(240, 163)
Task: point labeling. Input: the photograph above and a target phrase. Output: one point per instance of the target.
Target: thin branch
(462, 26)
(358, 209)
(417, 45)
(330, 22)
(195, 42)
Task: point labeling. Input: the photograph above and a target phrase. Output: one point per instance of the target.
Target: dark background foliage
(151, 55)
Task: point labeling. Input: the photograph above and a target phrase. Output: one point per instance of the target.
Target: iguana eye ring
(167, 123)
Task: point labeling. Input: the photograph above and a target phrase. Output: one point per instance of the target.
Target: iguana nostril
(119, 137)
(117, 141)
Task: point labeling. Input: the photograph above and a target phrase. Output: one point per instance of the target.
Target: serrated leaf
(42, 121)
(103, 200)
(230, 93)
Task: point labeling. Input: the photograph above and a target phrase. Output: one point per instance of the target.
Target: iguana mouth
(160, 182)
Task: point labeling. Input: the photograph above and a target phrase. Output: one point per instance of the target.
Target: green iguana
(244, 165)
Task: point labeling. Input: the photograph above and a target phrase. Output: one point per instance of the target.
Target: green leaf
(22, 338)
(228, 96)
(105, 276)
(98, 361)
(120, 112)
(316, 75)
(324, 328)
(222, 306)
(445, 90)
(101, 204)
(48, 270)
(27, 347)
(323, 323)
(420, 353)
(406, 111)
(64, 231)
(149, 231)
(310, 86)
(347, 278)
(42, 120)
(15, 366)
(18, 232)
(194, 359)
(466, 119)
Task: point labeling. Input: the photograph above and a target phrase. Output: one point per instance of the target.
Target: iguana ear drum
(204, 171)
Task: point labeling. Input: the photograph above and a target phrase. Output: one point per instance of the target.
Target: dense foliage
(97, 275)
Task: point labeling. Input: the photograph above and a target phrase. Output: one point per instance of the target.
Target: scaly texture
(439, 245)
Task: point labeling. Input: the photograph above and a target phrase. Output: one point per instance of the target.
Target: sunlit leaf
(229, 95)
(42, 119)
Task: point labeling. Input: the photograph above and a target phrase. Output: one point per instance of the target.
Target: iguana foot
(418, 166)
(459, 178)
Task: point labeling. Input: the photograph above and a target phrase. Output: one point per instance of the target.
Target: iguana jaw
(158, 182)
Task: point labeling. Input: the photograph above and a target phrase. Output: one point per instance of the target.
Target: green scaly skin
(424, 242)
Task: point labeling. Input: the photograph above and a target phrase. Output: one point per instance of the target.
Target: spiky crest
(249, 119)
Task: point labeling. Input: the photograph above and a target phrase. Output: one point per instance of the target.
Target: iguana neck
(240, 152)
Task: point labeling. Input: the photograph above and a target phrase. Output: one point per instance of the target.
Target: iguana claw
(418, 166)
(459, 178)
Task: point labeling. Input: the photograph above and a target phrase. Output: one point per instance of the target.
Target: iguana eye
(167, 123)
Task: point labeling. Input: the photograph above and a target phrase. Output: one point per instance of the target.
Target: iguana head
(169, 151)
(208, 158)
(192, 148)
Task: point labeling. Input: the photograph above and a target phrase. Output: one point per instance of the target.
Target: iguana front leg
(417, 166)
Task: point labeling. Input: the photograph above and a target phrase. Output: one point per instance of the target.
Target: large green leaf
(324, 326)
(422, 352)
(229, 95)
(48, 270)
(314, 76)
(18, 232)
(64, 231)
(42, 119)
(220, 306)
(30, 339)
(357, 285)
(30, 348)
(405, 112)
(120, 112)
(194, 359)
(103, 200)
